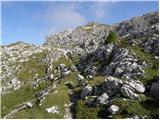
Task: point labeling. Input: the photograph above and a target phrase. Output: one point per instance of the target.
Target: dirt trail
(22, 106)
(70, 109)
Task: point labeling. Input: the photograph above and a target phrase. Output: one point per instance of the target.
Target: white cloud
(99, 9)
(62, 16)
(59, 16)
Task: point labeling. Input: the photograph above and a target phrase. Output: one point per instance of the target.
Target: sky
(32, 21)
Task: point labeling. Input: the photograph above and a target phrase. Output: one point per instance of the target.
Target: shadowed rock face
(77, 71)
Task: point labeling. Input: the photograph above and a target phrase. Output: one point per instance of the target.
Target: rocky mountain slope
(93, 71)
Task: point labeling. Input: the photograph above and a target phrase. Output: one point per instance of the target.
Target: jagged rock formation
(77, 74)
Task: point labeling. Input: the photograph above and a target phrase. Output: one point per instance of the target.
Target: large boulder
(103, 99)
(53, 109)
(136, 85)
(128, 92)
(86, 91)
(113, 109)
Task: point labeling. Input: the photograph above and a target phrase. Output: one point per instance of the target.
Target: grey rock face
(104, 52)
(151, 45)
(124, 64)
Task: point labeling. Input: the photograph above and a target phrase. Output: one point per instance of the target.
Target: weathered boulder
(86, 91)
(136, 85)
(128, 92)
(103, 99)
(113, 109)
(53, 109)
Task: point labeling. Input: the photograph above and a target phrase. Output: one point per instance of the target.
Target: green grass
(130, 108)
(75, 59)
(61, 60)
(23, 94)
(31, 67)
(85, 112)
(150, 75)
(97, 80)
(58, 99)
(143, 56)
(52, 99)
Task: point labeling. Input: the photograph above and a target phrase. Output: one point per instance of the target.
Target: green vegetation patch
(150, 75)
(61, 60)
(111, 38)
(97, 80)
(144, 56)
(130, 108)
(58, 99)
(10, 100)
(30, 68)
(85, 112)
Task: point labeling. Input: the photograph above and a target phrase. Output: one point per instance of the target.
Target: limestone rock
(128, 92)
(29, 105)
(53, 109)
(136, 85)
(86, 91)
(103, 99)
(113, 109)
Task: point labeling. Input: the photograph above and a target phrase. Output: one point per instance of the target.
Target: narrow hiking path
(68, 114)
(71, 108)
(14, 111)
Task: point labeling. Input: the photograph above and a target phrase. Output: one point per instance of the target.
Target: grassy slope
(27, 92)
